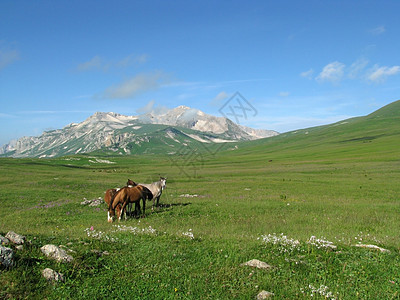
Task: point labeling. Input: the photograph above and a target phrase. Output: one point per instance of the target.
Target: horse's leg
(144, 206)
(122, 210)
(118, 210)
(137, 209)
(158, 201)
(129, 210)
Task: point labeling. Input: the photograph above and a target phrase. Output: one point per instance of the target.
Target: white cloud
(217, 101)
(94, 63)
(221, 96)
(141, 58)
(134, 86)
(332, 72)
(357, 68)
(130, 60)
(284, 94)
(150, 107)
(4, 115)
(100, 63)
(378, 30)
(379, 74)
(307, 74)
(7, 57)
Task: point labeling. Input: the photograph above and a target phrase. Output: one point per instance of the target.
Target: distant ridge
(148, 133)
(367, 137)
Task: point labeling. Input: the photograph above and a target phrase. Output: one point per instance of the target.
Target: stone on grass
(372, 247)
(257, 264)
(92, 202)
(15, 238)
(4, 240)
(52, 275)
(264, 295)
(6, 257)
(54, 252)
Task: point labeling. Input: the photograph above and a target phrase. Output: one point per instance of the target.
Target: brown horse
(128, 195)
(110, 194)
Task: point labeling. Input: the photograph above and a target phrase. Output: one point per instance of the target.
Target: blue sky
(298, 63)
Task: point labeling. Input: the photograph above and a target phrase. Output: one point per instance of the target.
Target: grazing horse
(110, 194)
(156, 188)
(128, 195)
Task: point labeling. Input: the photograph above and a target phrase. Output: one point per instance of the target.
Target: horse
(156, 188)
(110, 194)
(128, 195)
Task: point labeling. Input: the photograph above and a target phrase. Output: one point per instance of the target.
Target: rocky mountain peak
(111, 130)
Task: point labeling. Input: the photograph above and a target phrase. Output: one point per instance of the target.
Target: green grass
(338, 183)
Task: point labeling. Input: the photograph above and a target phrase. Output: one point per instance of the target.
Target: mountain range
(163, 132)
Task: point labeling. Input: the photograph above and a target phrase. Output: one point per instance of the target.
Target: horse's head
(131, 183)
(163, 181)
(110, 215)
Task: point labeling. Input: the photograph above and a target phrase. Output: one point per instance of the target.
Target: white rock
(264, 295)
(15, 238)
(54, 252)
(372, 247)
(52, 275)
(257, 264)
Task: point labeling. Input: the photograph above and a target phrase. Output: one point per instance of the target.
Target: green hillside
(375, 136)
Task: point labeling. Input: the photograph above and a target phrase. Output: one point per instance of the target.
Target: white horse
(156, 188)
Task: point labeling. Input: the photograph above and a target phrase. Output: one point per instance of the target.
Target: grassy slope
(339, 182)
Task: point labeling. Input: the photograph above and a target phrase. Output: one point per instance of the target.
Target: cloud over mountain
(136, 85)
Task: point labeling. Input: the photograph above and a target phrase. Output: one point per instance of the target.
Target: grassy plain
(264, 200)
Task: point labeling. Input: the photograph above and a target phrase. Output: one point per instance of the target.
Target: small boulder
(92, 202)
(15, 238)
(4, 240)
(6, 257)
(54, 252)
(374, 247)
(257, 264)
(52, 275)
(264, 295)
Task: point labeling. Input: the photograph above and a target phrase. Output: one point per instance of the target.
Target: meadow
(300, 205)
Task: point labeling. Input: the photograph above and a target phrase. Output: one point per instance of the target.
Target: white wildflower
(323, 290)
(284, 243)
(135, 230)
(189, 234)
(320, 243)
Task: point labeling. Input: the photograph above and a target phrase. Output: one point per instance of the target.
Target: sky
(285, 65)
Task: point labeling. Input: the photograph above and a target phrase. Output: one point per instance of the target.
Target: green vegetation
(265, 200)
